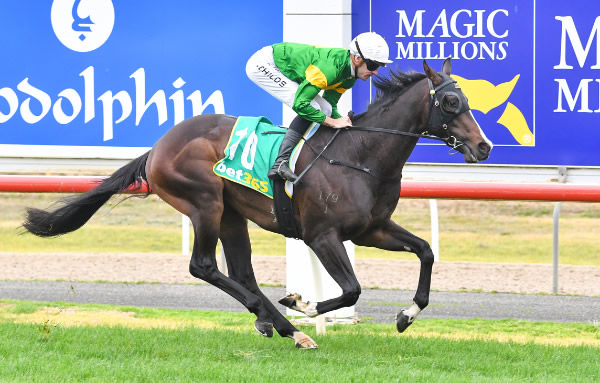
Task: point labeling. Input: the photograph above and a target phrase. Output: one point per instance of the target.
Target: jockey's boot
(281, 166)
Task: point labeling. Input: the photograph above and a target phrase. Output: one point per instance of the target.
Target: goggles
(371, 64)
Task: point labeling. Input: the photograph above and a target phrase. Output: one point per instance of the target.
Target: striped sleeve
(315, 76)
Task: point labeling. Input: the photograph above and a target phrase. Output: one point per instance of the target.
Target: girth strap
(284, 211)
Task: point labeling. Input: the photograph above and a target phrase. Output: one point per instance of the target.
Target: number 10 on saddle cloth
(251, 151)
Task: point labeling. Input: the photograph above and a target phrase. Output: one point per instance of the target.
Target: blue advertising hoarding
(102, 73)
(531, 71)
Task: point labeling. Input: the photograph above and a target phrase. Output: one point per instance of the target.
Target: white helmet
(371, 46)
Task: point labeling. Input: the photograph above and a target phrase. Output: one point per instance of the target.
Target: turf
(210, 346)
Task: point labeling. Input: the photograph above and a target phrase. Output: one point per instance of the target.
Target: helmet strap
(354, 65)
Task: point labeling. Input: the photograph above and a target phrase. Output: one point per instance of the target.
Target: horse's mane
(392, 85)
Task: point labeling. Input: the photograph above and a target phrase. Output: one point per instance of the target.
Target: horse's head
(450, 116)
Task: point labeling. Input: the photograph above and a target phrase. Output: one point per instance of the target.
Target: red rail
(54, 184)
(501, 191)
(410, 189)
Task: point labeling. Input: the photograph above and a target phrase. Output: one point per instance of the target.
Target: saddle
(251, 151)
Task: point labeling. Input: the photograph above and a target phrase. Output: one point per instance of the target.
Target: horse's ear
(447, 66)
(431, 74)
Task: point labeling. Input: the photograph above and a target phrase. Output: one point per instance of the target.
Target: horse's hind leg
(203, 203)
(203, 263)
(187, 183)
(236, 245)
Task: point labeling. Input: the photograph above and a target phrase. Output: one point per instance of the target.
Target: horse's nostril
(484, 148)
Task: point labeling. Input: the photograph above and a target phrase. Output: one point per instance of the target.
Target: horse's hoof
(290, 300)
(304, 341)
(264, 328)
(403, 321)
(309, 345)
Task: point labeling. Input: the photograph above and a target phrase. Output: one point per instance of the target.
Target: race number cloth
(251, 151)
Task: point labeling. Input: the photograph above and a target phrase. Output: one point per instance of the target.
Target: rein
(332, 161)
(371, 172)
(399, 133)
(437, 121)
(438, 118)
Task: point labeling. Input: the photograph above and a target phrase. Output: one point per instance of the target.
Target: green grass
(479, 231)
(214, 346)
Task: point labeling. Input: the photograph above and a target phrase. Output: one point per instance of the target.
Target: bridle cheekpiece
(447, 101)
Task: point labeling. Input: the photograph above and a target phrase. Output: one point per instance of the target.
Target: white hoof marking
(412, 312)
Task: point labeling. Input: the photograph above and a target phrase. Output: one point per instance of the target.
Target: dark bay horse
(365, 176)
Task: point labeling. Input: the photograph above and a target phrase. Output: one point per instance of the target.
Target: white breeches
(261, 69)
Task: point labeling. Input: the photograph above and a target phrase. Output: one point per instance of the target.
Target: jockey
(296, 73)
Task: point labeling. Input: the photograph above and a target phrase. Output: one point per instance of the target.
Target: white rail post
(562, 177)
(555, 218)
(304, 272)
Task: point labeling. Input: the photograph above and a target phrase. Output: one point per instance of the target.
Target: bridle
(441, 113)
(442, 110)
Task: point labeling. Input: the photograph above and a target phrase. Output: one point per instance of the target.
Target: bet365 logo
(82, 25)
(485, 96)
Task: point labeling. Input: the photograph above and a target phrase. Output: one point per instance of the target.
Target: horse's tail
(77, 210)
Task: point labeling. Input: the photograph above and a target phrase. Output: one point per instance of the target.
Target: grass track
(212, 346)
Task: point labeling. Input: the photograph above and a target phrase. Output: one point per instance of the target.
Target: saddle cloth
(249, 154)
(251, 151)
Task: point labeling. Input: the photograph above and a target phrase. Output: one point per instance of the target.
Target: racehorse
(362, 167)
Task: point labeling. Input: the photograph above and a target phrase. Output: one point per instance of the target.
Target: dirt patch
(385, 274)
(48, 317)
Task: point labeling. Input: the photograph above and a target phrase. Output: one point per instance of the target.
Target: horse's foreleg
(395, 238)
(331, 253)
